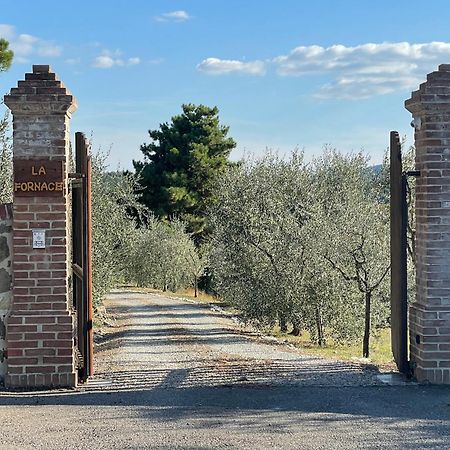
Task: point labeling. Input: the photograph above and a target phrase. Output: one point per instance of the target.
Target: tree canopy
(180, 164)
(5, 162)
(6, 55)
(303, 243)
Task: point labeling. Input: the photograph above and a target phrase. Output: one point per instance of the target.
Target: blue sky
(284, 74)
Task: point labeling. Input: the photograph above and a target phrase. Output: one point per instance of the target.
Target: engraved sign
(38, 178)
(38, 238)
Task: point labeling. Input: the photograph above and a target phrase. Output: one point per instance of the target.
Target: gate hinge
(77, 175)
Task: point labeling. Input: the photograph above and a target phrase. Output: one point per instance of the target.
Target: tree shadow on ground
(258, 406)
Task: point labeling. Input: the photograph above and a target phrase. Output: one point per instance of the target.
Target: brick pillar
(430, 314)
(40, 327)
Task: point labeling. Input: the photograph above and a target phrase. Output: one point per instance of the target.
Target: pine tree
(181, 163)
(6, 55)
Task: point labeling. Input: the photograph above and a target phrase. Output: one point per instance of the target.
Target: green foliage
(5, 162)
(257, 249)
(6, 55)
(306, 244)
(180, 164)
(163, 256)
(351, 231)
(113, 228)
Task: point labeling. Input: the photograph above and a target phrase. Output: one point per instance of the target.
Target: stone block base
(430, 343)
(40, 349)
(434, 376)
(48, 380)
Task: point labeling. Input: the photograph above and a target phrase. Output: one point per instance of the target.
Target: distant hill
(376, 169)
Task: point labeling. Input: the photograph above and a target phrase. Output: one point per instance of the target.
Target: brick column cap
(41, 93)
(433, 96)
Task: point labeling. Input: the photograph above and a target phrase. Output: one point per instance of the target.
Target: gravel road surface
(172, 374)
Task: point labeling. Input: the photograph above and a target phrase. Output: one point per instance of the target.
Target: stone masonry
(5, 255)
(5, 278)
(40, 326)
(430, 314)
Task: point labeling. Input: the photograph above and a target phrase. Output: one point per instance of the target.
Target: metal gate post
(82, 255)
(399, 212)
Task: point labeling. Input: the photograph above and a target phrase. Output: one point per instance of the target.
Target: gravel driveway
(174, 374)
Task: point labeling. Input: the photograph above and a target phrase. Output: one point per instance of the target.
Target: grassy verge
(380, 347)
(202, 297)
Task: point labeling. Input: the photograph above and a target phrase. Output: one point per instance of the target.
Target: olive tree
(5, 162)
(196, 259)
(302, 243)
(113, 199)
(258, 248)
(6, 58)
(351, 230)
(162, 255)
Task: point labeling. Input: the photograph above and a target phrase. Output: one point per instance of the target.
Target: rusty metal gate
(399, 278)
(82, 256)
(399, 306)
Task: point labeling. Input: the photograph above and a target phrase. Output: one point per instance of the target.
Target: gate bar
(87, 265)
(82, 264)
(399, 215)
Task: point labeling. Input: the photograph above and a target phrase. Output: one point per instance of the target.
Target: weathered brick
(65, 369)
(429, 315)
(40, 369)
(21, 361)
(58, 360)
(52, 282)
(40, 306)
(15, 369)
(15, 352)
(21, 328)
(64, 351)
(41, 107)
(40, 352)
(39, 336)
(58, 343)
(22, 344)
(64, 327)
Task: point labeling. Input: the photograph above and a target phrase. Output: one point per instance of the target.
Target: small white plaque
(38, 238)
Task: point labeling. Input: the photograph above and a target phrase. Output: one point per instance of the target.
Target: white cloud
(174, 16)
(215, 66)
(26, 45)
(156, 61)
(360, 71)
(73, 61)
(105, 62)
(49, 50)
(365, 70)
(133, 61)
(109, 59)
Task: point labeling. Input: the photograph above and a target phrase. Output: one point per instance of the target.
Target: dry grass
(202, 297)
(380, 347)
